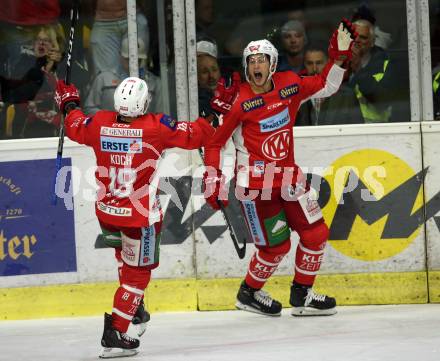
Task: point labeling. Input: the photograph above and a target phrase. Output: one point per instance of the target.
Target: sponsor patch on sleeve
(168, 121)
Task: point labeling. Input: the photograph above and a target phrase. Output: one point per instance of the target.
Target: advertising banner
(35, 236)
(370, 187)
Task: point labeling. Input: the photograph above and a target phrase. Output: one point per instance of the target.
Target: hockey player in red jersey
(274, 195)
(127, 144)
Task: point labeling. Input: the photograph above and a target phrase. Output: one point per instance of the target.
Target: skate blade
(243, 307)
(310, 311)
(141, 328)
(117, 352)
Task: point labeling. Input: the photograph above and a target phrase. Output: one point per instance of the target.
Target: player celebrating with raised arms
(274, 195)
(127, 144)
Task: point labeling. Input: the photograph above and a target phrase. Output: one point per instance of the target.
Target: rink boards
(378, 185)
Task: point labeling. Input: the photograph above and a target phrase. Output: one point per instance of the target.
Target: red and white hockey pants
(270, 222)
(137, 254)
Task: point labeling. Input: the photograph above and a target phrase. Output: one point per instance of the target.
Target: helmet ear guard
(273, 68)
(263, 46)
(132, 98)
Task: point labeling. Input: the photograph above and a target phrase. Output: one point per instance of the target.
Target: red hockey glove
(65, 94)
(342, 42)
(214, 189)
(224, 94)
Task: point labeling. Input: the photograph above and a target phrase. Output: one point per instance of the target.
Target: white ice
(361, 333)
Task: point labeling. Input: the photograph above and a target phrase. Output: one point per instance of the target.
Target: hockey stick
(74, 15)
(241, 251)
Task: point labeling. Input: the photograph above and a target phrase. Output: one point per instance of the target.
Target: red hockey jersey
(127, 156)
(261, 126)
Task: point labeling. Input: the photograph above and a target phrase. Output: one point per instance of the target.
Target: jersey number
(121, 181)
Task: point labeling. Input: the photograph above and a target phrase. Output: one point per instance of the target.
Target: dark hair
(316, 46)
(363, 12)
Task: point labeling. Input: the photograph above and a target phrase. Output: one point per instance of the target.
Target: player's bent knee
(315, 237)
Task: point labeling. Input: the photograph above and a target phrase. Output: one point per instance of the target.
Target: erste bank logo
(121, 145)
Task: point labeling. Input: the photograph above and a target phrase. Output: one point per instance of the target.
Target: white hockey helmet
(132, 97)
(261, 47)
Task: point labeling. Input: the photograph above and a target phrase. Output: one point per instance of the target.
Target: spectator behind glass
(340, 108)
(370, 75)
(382, 39)
(18, 22)
(208, 70)
(33, 85)
(204, 16)
(101, 92)
(153, 81)
(293, 41)
(396, 75)
(208, 73)
(109, 28)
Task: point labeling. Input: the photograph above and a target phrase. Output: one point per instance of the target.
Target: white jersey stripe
(122, 314)
(332, 84)
(242, 157)
(309, 251)
(133, 290)
(264, 261)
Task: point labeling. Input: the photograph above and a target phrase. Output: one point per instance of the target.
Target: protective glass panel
(33, 52)
(376, 85)
(434, 20)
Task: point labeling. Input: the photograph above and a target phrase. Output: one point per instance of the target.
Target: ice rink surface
(361, 333)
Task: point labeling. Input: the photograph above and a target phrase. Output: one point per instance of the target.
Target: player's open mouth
(258, 75)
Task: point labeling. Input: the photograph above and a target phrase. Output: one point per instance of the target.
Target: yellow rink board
(434, 286)
(213, 294)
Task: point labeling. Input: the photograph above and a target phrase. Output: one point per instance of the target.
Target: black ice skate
(140, 319)
(306, 302)
(258, 301)
(115, 343)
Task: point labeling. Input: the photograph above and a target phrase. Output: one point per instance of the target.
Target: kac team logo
(277, 145)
